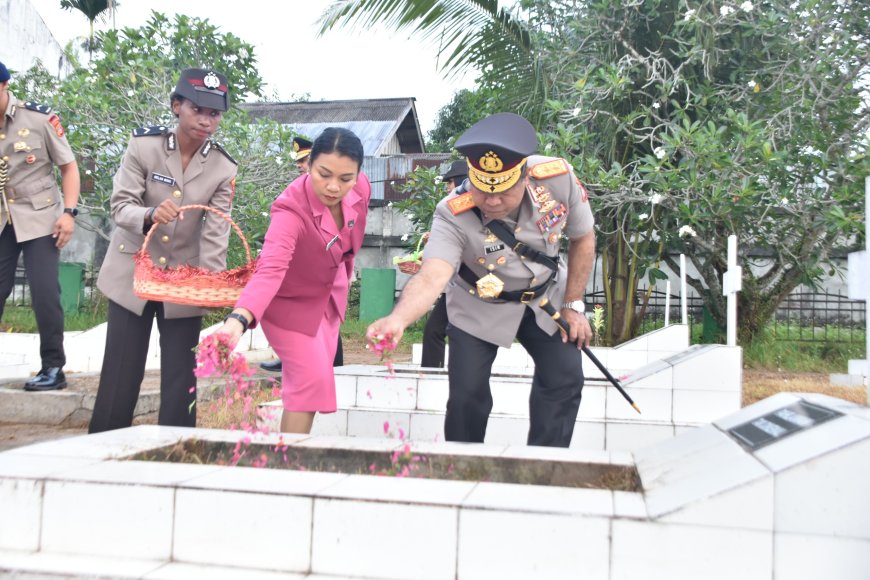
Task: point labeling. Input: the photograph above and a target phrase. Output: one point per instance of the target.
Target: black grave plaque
(781, 423)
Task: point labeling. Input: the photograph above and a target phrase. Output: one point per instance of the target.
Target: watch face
(71, 210)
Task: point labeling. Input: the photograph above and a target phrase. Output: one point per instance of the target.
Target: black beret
(204, 88)
(4, 73)
(457, 169)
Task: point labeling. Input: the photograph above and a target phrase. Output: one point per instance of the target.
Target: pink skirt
(307, 376)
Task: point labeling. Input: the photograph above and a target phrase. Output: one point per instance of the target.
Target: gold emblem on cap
(490, 286)
(211, 81)
(490, 162)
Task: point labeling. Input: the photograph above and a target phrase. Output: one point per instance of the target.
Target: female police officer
(163, 169)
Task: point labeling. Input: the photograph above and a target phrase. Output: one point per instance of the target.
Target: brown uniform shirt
(555, 205)
(150, 173)
(32, 141)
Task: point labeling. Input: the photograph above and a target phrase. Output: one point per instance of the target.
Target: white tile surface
(507, 430)
(827, 495)
(154, 473)
(21, 509)
(387, 392)
(371, 423)
(356, 538)
(749, 506)
(345, 392)
(38, 466)
(432, 394)
(242, 529)
(588, 435)
(621, 362)
(459, 448)
(653, 550)
(718, 368)
(378, 443)
(181, 571)
(655, 405)
(271, 481)
(507, 545)
(592, 405)
(107, 519)
(117, 443)
(330, 423)
(400, 490)
(818, 440)
(41, 565)
(558, 454)
(626, 436)
(756, 410)
(693, 466)
(654, 375)
(629, 505)
(700, 406)
(427, 427)
(539, 498)
(805, 557)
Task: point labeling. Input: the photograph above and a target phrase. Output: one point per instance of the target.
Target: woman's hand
(233, 327)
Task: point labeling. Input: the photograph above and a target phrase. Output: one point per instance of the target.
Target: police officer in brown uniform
(163, 169)
(497, 245)
(35, 218)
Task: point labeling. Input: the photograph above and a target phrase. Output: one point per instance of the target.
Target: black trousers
(338, 361)
(556, 386)
(127, 339)
(434, 334)
(41, 259)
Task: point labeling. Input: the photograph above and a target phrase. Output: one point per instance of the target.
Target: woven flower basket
(191, 285)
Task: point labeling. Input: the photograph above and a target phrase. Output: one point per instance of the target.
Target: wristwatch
(71, 211)
(240, 318)
(575, 305)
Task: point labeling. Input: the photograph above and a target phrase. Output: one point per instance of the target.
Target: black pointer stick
(548, 308)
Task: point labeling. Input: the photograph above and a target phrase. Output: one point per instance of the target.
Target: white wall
(24, 39)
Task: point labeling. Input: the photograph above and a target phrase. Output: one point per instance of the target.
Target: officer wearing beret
(164, 168)
(497, 246)
(435, 331)
(301, 151)
(35, 218)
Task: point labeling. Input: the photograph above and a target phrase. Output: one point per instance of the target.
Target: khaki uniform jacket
(555, 205)
(150, 173)
(32, 141)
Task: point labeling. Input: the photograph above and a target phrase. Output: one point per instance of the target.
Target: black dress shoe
(49, 379)
(272, 365)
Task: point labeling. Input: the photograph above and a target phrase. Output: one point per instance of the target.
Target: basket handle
(150, 233)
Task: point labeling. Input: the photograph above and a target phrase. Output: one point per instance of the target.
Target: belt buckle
(527, 297)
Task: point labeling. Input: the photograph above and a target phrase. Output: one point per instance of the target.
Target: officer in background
(36, 219)
(496, 283)
(164, 168)
(435, 331)
(301, 152)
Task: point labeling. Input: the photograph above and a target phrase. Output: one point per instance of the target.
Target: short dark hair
(341, 141)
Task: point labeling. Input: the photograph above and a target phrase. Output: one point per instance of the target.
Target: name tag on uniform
(162, 179)
(493, 248)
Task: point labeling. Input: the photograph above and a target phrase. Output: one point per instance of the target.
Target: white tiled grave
(682, 390)
(721, 501)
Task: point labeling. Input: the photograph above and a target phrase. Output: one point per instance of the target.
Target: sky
(342, 64)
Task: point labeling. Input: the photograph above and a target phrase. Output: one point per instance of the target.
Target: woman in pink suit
(299, 289)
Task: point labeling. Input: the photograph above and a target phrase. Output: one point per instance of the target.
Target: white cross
(732, 283)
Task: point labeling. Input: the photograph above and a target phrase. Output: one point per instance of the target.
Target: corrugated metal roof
(374, 121)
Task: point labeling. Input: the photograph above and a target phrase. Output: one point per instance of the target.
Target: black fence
(803, 316)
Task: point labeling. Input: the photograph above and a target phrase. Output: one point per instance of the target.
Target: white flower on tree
(726, 10)
(643, 216)
(690, 14)
(747, 6)
(660, 152)
(687, 232)
(656, 198)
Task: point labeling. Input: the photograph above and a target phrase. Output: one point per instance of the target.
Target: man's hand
(581, 332)
(63, 230)
(388, 326)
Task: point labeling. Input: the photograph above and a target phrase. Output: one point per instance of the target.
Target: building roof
(375, 121)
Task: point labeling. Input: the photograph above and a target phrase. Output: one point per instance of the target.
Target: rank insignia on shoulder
(550, 169)
(460, 203)
(44, 109)
(218, 147)
(149, 131)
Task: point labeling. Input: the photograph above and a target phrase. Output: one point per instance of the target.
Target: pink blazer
(295, 270)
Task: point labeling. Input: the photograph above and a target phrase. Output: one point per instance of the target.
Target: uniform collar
(11, 106)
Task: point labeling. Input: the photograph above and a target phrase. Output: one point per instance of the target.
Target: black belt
(523, 296)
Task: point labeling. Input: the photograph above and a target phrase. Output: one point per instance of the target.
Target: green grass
(21, 318)
(772, 352)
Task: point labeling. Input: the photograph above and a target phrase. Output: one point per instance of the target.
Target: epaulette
(149, 131)
(550, 169)
(460, 203)
(44, 109)
(217, 146)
